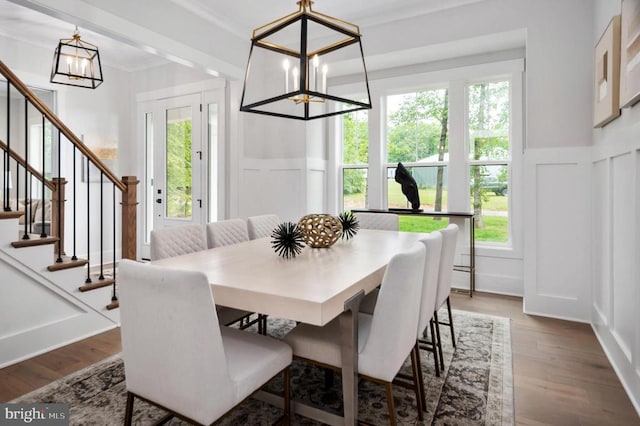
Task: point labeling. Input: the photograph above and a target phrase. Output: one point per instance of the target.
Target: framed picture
(108, 154)
(630, 53)
(93, 174)
(606, 105)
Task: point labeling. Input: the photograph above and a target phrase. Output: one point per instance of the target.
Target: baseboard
(30, 343)
(559, 317)
(627, 374)
(489, 283)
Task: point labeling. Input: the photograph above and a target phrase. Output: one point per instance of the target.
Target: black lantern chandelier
(76, 63)
(292, 57)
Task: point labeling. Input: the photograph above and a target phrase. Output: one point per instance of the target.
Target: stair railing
(35, 175)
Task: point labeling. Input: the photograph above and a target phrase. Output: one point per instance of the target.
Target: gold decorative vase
(320, 230)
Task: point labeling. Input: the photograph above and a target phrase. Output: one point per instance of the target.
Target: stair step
(113, 305)
(67, 263)
(10, 215)
(34, 240)
(96, 282)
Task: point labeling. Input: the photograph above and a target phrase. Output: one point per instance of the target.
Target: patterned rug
(475, 389)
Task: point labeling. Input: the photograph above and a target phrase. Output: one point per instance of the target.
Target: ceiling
(33, 27)
(239, 17)
(242, 16)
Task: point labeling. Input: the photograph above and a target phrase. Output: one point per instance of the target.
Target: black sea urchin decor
(350, 224)
(287, 240)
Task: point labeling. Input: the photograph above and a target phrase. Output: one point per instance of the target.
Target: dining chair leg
(262, 324)
(328, 378)
(128, 414)
(434, 346)
(287, 395)
(438, 339)
(418, 384)
(391, 406)
(453, 336)
(423, 393)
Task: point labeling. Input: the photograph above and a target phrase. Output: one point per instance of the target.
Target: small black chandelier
(76, 63)
(290, 60)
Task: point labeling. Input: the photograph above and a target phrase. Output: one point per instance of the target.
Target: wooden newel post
(129, 219)
(57, 212)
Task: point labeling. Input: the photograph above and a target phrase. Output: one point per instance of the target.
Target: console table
(471, 268)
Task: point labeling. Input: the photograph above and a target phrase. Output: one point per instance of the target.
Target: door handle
(159, 200)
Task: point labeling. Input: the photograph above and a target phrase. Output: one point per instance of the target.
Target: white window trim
(458, 166)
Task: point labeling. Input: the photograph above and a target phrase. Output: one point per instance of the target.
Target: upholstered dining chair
(382, 221)
(226, 232)
(177, 240)
(433, 252)
(184, 239)
(445, 275)
(262, 226)
(385, 339)
(176, 355)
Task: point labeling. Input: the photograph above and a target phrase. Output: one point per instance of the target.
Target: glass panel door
(178, 162)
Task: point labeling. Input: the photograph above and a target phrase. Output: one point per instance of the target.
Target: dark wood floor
(561, 374)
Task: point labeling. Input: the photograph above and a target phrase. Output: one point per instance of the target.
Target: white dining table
(315, 287)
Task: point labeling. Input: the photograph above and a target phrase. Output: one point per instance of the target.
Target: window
(489, 158)
(455, 133)
(417, 136)
(355, 156)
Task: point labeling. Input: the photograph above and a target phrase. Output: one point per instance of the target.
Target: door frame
(210, 91)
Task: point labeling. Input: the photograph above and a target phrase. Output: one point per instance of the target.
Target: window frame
(458, 167)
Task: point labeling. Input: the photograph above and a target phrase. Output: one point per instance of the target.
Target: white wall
(615, 207)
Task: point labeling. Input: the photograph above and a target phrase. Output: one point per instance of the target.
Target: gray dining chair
(385, 339)
(262, 226)
(185, 239)
(178, 357)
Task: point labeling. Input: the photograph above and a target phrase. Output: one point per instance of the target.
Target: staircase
(55, 285)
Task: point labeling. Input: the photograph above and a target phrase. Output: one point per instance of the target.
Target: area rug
(476, 387)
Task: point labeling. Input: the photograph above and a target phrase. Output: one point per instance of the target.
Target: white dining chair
(185, 239)
(381, 221)
(262, 226)
(445, 275)
(226, 232)
(177, 240)
(385, 339)
(433, 252)
(177, 357)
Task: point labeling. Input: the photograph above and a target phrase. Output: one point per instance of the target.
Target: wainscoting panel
(600, 247)
(285, 192)
(289, 188)
(622, 252)
(616, 264)
(316, 199)
(557, 233)
(36, 314)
